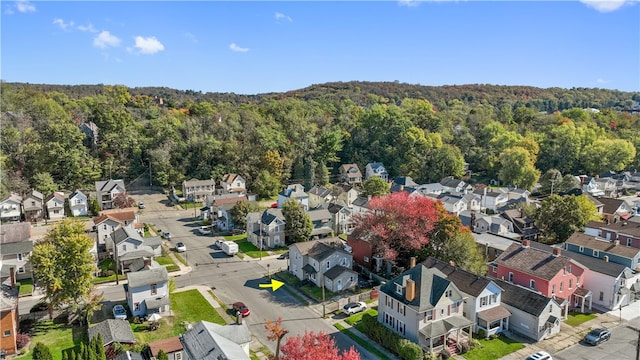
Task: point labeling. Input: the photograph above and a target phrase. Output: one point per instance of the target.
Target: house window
(493, 299)
(343, 262)
(328, 265)
(601, 295)
(532, 284)
(21, 270)
(124, 247)
(33, 203)
(494, 268)
(19, 257)
(399, 289)
(581, 249)
(483, 301)
(7, 333)
(510, 277)
(569, 267)
(154, 289)
(561, 286)
(570, 284)
(596, 253)
(428, 315)
(104, 227)
(550, 308)
(366, 259)
(136, 306)
(553, 289)
(449, 293)
(178, 356)
(454, 307)
(628, 241)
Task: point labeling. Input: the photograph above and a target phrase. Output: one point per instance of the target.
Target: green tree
(375, 186)
(41, 352)
(558, 217)
(517, 168)
(298, 223)
(162, 355)
(63, 265)
(240, 210)
(550, 181)
(266, 185)
(44, 183)
(587, 210)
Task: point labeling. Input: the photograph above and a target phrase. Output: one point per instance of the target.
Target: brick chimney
(616, 242)
(410, 290)
(12, 276)
(412, 262)
(526, 243)
(557, 251)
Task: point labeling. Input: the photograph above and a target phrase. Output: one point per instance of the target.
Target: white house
(33, 205)
(196, 190)
(266, 226)
(491, 200)
(107, 223)
(376, 169)
(147, 291)
(107, 190)
(129, 248)
(233, 183)
(296, 192)
(55, 206)
(10, 208)
(78, 203)
(323, 261)
(209, 341)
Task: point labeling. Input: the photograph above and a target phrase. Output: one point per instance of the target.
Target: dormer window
(399, 289)
(596, 253)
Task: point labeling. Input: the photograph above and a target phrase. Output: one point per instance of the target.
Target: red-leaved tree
(123, 200)
(312, 346)
(398, 224)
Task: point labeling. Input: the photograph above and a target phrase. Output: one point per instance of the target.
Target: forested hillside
(512, 133)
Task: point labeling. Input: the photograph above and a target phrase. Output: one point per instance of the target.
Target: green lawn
(356, 318)
(181, 259)
(105, 279)
(316, 292)
(107, 264)
(57, 337)
(249, 249)
(577, 318)
(365, 344)
(235, 237)
(164, 260)
(26, 287)
(189, 205)
(493, 349)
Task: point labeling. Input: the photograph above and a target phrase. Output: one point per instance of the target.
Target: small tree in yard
(41, 352)
(299, 224)
(123, 200)
(275, 332)
(312, 346)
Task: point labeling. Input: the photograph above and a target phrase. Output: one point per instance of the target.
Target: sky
(267, 46)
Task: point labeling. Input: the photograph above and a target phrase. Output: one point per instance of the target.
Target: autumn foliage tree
(313, 346)
(275, 332)
(123, 200)
(397, 224)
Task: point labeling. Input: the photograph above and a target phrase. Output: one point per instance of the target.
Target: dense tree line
(513, 134)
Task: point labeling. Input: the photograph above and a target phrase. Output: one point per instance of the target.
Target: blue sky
(257, 47)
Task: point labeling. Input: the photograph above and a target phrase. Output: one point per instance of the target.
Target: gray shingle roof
(113, 330)
(129, 355)
(532, 261)
(123, 233)
(147, 277)
(320, 191)
(16, 248)
(465, 281)
(430, 286)
(203, 342)
(522, 298)
(338, 270)
(10, 233)
(305, 246)
(594, 264)
(591, 242)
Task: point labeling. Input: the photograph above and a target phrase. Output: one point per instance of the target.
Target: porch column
(582, 304)
(590, 302)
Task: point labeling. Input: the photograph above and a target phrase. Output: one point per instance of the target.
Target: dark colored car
(596, 336)
(242, 308)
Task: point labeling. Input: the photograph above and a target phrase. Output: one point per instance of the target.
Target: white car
(205, 230)
(540, 355)
(181, 247)
(119, 312)
(353, 308)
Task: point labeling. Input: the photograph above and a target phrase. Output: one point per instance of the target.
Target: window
(570, 284)
(581, 249)
(494, 268)
(136, 306)
(104, 227)
(178, 356)
(601, 295)
(399, 289)
(550, 308)
(570, 270)
(124, 247)
(510, 277)
(442, 311)
(19, 257)
(366, 259)
(7, 333)
(628, 241)
(483, 301)
(428, 316)
(328, 265)
(21, 270)
(33, 203)
(343, 262)
(532, 284)
(561, 286)
(553, 289)
(596, 253)
(154, 289)
(493, 299)
(454, 307)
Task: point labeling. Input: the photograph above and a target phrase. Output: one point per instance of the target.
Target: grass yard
(235, 237)
(249, 249)
(493, 349)
(58, 336)
(106, 279)
(188, 307)
(364, 343)
(316, 292)
(190, 205)
(356, 318)
(26, 287)
(577, 318)
(181, 259)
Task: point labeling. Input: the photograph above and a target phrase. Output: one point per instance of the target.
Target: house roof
(129, 355)
(442, 327)
(204, 342)
(13, 248)
(376, 165)
(35, 194)
(12, 233)
(405, 181)
(319, 214)
(109, 185)
(610, 206)
(338, 270)
(621, 227)
(451, 182)
(492, 240)
(227, 199)
(12, 198)
(321, 250)
(345, 169)
(147, 277)
(361, 202)
(591, 242)
(113, 330)
(270, 215)
(320, 191)
(342, 188)
(196, 182)
(334, 208)
(76, 193)
(522, 298)
(156, 303)
(494, 314)
(536, 262)
(8, 298)
(121, 234)
(167, 345)
(467, 282)
(306, 247)
(57, 196)
(430, 283)
(229, 178)
(120, 216)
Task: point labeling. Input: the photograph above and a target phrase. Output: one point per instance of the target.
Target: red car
(242, 308)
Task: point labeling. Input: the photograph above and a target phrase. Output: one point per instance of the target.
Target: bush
(445, 354)
(22, 339)
(41, 352)
(430, 356)
(377, 332)
(481, 333)
(409, 350)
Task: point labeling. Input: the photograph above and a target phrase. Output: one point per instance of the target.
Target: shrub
(430, 356)
(377, 332)
(409, 350)
(445, 354)
(22, 339)
(41, 352)
(464, 347)
(481, 333)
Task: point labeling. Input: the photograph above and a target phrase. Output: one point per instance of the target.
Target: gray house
(325, 262)
(267, 227)
(33, 205)
(113, 331)
(15, 249)
(209, 341)
(107, 190)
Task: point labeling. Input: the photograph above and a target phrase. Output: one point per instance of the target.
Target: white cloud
(25, 6)
(62, 24)
(88, 28)
(237, 48)
(408, 3)
(606, 5)
(280, 16)
(105, 39)
(149, 45)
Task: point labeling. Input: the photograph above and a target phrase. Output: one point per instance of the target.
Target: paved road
(622, 346)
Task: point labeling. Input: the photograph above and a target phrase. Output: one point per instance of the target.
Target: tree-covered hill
(510, 133)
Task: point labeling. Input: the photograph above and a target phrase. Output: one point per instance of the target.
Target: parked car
(219, 242)
(540, 355)
(353, 308)
(180, 247)
(242, 308)
(596, 336)
(284, 256)
(140, 205)
(205, 230)
(167, 235)
(119, 312)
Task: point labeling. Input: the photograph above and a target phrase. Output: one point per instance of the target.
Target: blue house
(608, 250)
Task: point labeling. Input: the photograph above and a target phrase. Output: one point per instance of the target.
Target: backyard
(58, 336)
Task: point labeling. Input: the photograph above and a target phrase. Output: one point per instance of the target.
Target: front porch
(450, 333)
(581, 297)
(493, 321)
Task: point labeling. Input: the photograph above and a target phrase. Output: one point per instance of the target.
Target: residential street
(622, 346)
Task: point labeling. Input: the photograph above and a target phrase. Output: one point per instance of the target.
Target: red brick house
(551, 274)
(361, 250)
